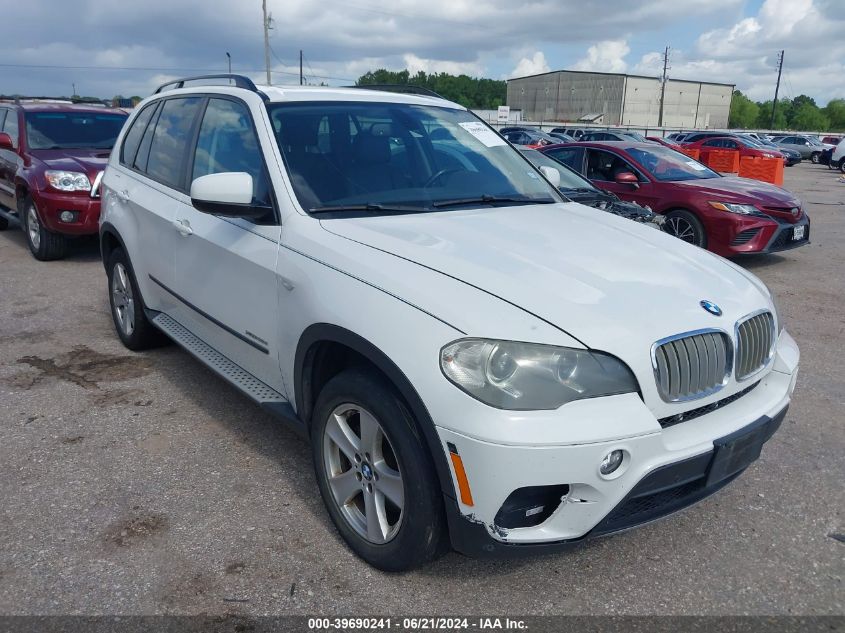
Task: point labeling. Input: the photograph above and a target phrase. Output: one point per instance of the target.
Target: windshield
(66, 130)
(400, 157)
(569, 180)
(666, 164)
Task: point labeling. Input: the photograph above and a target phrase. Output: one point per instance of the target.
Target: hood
(87, 161)
(742, 190)
(613, 284)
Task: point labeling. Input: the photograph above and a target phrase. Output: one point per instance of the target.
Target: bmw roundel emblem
(711, 307)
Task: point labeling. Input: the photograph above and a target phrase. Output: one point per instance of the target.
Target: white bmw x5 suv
(475, 360)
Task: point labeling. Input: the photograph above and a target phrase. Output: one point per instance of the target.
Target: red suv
(52, 157)
(727, 215)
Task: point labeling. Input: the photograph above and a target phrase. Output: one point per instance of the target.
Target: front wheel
(685, 226)
(842, 165)
(43, 244)
(375, 474)
(814, 158)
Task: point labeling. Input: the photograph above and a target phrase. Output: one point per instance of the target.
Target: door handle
(184, 227)
(123, 195)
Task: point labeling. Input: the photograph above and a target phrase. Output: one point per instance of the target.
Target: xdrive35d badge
(711, 307)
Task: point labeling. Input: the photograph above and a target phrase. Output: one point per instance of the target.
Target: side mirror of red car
(627, 178)
(6, 141)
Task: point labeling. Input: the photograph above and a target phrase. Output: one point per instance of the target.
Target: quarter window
(133, 137)
(227, 143)
(3, 112)
(169, 147)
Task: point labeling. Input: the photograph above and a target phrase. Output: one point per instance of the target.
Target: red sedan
(727, 215)
(664, 142)
(743, 146)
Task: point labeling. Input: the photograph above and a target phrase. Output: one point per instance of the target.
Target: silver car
(807, 146)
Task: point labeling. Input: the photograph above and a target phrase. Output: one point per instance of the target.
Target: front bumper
(664, 471)
(772, 236)
(50, 205)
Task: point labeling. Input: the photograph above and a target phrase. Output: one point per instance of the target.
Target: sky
(105, 48)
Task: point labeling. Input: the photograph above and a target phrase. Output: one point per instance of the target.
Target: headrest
(372, 149)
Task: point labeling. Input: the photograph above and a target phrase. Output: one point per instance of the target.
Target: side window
(712, 143)
(602, 165)
(569, 156)
(133, 136)
(3, 112)
(10, 126)
(170, 140)
(227, 142)
(729, 144)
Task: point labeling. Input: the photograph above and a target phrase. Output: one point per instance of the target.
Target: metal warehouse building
(614, 99)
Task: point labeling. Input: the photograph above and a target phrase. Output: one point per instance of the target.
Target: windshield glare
(390, 154)
(666, 164)
(66, 130)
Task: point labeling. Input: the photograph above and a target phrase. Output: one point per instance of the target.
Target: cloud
(606, 56)
(533, 65)
(415, 64)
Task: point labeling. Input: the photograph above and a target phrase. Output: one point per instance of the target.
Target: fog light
(67, 216)
(611, 462)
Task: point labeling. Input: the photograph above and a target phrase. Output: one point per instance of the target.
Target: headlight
(68, 180)
(742, 209)
(529, 376)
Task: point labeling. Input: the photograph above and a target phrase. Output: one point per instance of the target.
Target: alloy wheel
(363, 473)
(33, 227)
(682, 229)
(123, 299)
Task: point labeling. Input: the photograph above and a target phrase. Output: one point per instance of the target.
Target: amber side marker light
(460, 475)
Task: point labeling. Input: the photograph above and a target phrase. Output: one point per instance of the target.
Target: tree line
(470, 92)
(801, 113)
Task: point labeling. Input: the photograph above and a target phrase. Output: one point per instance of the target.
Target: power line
(160, 69)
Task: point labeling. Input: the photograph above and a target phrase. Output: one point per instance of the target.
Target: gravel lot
(142, 484)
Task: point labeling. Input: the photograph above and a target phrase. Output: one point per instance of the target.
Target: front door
(225, 267)
(603, 167)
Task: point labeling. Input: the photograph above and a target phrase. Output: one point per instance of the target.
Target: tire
(391, 477)
(814, 158)
(127, 305)
(43, 244)
(842, 165)
(4, 224)
(685, 226)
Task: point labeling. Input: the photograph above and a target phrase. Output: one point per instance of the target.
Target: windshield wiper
(369, 206)
(488, 199)
(579, 190)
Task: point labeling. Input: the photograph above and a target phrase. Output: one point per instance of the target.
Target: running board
(268, 398)
(10, 216)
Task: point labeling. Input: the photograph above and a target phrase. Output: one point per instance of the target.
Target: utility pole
(229, 58)
(777, 88)
(663, 87)
(300, 67)
(74, 90)
(266, 40)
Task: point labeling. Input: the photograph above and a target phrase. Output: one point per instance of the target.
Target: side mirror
(552, 174)
(6, 141)
(228, 194)
(627, 178)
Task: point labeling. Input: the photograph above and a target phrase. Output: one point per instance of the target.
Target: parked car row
(474, 359)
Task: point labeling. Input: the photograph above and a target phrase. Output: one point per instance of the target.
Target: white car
(475, 359)
(837, 157)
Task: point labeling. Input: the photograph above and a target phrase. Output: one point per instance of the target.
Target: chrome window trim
(729, 363)
(775, 336)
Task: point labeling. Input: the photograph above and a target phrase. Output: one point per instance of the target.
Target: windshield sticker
(696, 166)
(483, 133)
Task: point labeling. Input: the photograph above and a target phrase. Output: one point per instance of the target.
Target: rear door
(148, 188)
(225, 267)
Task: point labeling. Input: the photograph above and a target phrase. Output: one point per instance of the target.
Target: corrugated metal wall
(623, 100)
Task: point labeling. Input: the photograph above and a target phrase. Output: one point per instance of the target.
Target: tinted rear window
(133, 137)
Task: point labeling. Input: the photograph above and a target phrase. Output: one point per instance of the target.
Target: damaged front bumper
(663, 472)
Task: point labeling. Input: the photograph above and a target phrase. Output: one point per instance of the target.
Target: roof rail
(401, 88)
(239, 80)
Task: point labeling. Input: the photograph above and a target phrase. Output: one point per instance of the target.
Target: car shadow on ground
(757, 262)
(79, 249)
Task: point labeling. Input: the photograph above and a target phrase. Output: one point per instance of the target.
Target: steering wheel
(438, 175)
